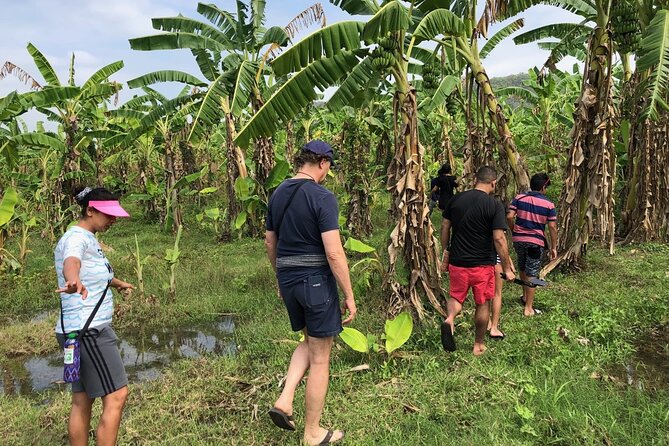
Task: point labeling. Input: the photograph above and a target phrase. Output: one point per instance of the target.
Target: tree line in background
(410, 93)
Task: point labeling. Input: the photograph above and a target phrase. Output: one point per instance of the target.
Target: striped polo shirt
(533, 210)
(95, 272)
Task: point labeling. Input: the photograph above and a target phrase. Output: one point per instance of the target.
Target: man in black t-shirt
(304, 247)
(472, 235)
(444, 186)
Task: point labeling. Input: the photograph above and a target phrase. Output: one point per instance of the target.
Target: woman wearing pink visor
(86, 307)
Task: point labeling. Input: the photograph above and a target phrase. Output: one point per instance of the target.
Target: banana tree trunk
(263, 155)
(510, 152)
(236, 168)
(171, 180)
(290, 141)
(446, 153)
(413, 247)
(586, 202)
(355, 142)
(646, 210)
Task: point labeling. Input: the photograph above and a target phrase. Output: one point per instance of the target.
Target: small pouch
(317, 292)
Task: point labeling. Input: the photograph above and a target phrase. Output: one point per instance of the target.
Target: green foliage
(354, 339)
(655, 57)
(358, 246)
(7, 206)
(398, 331)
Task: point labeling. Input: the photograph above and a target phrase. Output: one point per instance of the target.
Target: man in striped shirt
(527, 217)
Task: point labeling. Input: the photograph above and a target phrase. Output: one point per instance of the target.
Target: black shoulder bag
(83, 331)
(277, 227)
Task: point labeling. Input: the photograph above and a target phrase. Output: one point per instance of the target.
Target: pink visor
(109, 207)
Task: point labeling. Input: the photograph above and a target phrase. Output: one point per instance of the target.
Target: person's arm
(121, 285)
(511, 219)
(270, 247)
(71, 268)
(552, 229)
(334, 251)
(445, 240)
(502, 249)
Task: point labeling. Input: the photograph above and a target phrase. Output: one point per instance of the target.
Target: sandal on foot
(498, 337)
(326, 441)
(281, 419)
(447, 339)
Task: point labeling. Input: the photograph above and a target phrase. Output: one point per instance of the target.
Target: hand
(553, 254)
(509, 275)
(124, 287)
(349, 303)
(74, 286)
(444, 262)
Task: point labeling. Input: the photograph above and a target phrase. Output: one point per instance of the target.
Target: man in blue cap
(304, 247)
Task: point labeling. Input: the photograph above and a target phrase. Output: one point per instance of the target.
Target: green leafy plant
(7, 215)
(172, 258)
(397, 332)
(139, 267)
(364, 269)
(27, 222)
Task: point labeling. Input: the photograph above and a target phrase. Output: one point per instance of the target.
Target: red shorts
(481, 279)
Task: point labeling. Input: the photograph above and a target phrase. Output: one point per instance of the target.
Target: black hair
(308, 157)
(445, 169)
(83, 197)
(539, 181)
(486, 174)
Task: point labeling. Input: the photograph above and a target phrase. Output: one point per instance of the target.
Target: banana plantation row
(410, 92)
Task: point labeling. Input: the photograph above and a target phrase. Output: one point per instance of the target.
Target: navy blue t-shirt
(314, 210)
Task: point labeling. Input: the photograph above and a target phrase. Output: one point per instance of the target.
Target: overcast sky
(97, 32)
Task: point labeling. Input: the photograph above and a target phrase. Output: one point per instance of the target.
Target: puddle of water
(144, 355)
(649, 367)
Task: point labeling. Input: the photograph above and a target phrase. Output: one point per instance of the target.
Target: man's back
(474, 215)
(533, 211)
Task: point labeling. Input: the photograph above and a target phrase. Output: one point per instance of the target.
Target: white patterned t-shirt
(95, 273)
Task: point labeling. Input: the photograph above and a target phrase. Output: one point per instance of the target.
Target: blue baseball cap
(320, 148)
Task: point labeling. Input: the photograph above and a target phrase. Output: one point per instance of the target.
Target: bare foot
(479, 349)
(496, 333)
(334, 436)
(531, 311)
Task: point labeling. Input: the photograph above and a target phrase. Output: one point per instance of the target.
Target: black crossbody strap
(277, 227)
(90, 318)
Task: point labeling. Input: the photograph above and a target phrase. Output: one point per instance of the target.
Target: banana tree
(645, 214)
(587, 199)
(231, 52)
(336, 55)
(156, 121)
(459, 31)
(547, 96)
(77, 110)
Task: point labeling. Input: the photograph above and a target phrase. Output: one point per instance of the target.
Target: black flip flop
(499, 338)
(326, 441)
(281, 419)
(532, 283)
(447, 339)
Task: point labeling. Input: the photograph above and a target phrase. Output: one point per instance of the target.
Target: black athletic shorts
(314, 303)
(101, 370)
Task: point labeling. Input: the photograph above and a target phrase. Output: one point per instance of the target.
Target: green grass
(535, 387)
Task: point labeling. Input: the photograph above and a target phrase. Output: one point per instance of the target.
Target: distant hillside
(512, 80)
